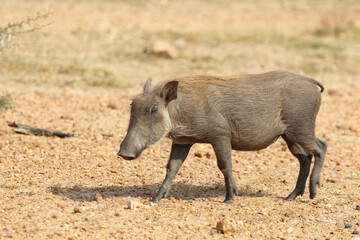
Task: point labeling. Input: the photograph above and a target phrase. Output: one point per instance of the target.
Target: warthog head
(149, 119)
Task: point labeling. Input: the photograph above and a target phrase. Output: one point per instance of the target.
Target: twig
(27, 130)
(29, 24)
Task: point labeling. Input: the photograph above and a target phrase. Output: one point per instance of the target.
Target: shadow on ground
(180, 190)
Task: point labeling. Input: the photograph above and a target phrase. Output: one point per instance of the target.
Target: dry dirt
(76, 188)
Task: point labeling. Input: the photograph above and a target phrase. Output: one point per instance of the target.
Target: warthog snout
(126, 155)
(130, 148)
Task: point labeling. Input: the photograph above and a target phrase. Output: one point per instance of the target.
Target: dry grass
(101, 44)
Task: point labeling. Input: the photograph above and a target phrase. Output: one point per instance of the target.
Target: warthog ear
(147, 85)
(169, 92)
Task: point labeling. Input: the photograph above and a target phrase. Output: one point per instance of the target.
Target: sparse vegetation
(9, 32)
(5, 102)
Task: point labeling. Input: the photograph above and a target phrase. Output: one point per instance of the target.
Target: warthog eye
(153, 109)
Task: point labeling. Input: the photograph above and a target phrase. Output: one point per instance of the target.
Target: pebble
(133, 205)
(111, 194)
(98, 197)
(77, 187)
(78, 210)
(8, 229)
(348, 225)
(225, 225)
(208, 155)
(55, 189)
(328, 205)
(162, 48)
(340, 224)
(331, 180)
(239, 222)
(287, 215)
(262, 212)
(357, 207)
(333, 92)
(285, 181)
(260, 192)
(198, 154)
(356, 232)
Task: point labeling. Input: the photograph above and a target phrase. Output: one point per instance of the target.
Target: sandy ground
(76, 188)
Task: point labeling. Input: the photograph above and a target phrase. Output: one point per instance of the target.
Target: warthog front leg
(178, 155)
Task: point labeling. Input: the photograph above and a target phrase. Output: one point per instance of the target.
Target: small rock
(348, 225)
(285, 181)
(77, 187)
(328, 205)
(111, 194)
(331, 180)
(287, 215)
(340, 224)
(98, 197)
(78, 209)
(333, 92)
(225, 225)
(8, 229)
(112, 103)
(357, 207)
(261, 211)
(208, 155)
(133, 205)
(198, 154)
(163, 49)
(117, 214)
(55, 216)
(239, 222)
(55, 189)
(356, 232)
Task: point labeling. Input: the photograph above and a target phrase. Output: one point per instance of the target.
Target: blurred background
(118, 44)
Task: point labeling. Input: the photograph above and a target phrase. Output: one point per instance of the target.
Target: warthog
(244, 113)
